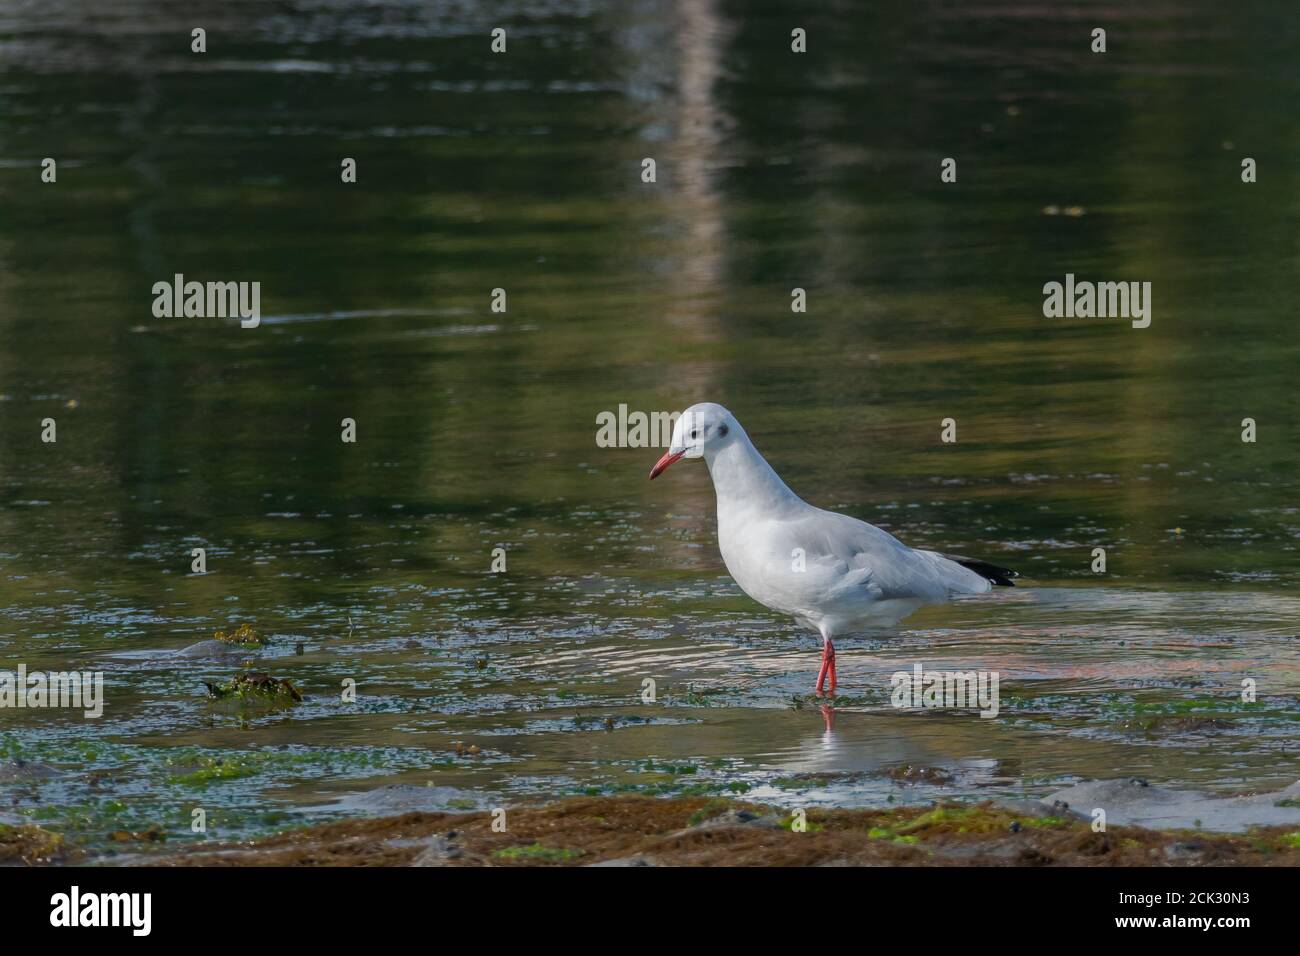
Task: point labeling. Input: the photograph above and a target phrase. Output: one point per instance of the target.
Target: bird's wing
(846, 554)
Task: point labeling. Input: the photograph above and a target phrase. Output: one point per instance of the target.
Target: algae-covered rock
(154, 834)
(253, 684)
(32, 846)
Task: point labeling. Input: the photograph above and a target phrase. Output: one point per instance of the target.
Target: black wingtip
(999, 576)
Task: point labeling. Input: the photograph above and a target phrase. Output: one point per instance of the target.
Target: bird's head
(702, 430)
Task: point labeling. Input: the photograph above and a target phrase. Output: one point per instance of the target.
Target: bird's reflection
(828, 719)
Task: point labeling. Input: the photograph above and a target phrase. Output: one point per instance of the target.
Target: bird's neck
(744, 481)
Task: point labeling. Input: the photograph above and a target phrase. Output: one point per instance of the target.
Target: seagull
(830, 572)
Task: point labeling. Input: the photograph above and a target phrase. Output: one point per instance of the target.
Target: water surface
(370, 561)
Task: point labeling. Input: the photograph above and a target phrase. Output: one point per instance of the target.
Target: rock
(637, 860)
(440, 851)
(738, 818)
(1138, 803)
(1038, 808)
(215, 649)
(734, 817)
(1184, 852)
(24, 771)
(911, 774)
(405, 797)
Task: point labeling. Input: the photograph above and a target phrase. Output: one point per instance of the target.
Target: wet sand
(700, 831)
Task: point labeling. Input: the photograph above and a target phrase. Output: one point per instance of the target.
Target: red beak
(662, 464)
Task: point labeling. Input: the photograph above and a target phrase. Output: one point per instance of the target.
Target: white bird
(830, 572)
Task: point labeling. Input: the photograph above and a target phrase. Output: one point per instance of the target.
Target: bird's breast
(754, 552)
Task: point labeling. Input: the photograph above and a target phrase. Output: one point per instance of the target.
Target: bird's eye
(722, 430)
(695, 433)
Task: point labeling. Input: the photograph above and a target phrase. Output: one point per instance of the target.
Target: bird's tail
(989, 572)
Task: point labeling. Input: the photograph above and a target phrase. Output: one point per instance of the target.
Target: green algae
(787, 823)
(711, 809)
(537, 852)
(220, 768)
(885, 833)
(956, 819)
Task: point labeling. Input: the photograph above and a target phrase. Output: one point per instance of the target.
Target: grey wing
(873, 558)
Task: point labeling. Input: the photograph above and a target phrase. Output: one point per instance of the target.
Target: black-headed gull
(829, 571)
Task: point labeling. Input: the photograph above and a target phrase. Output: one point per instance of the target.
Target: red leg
(828, 666)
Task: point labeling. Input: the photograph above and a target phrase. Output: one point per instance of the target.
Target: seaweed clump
(244, 636)
(707, 831)
(253, 684)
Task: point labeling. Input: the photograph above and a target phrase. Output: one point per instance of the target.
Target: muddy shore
(700, 831)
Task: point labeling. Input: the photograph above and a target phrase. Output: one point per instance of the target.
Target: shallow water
(477, 429)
